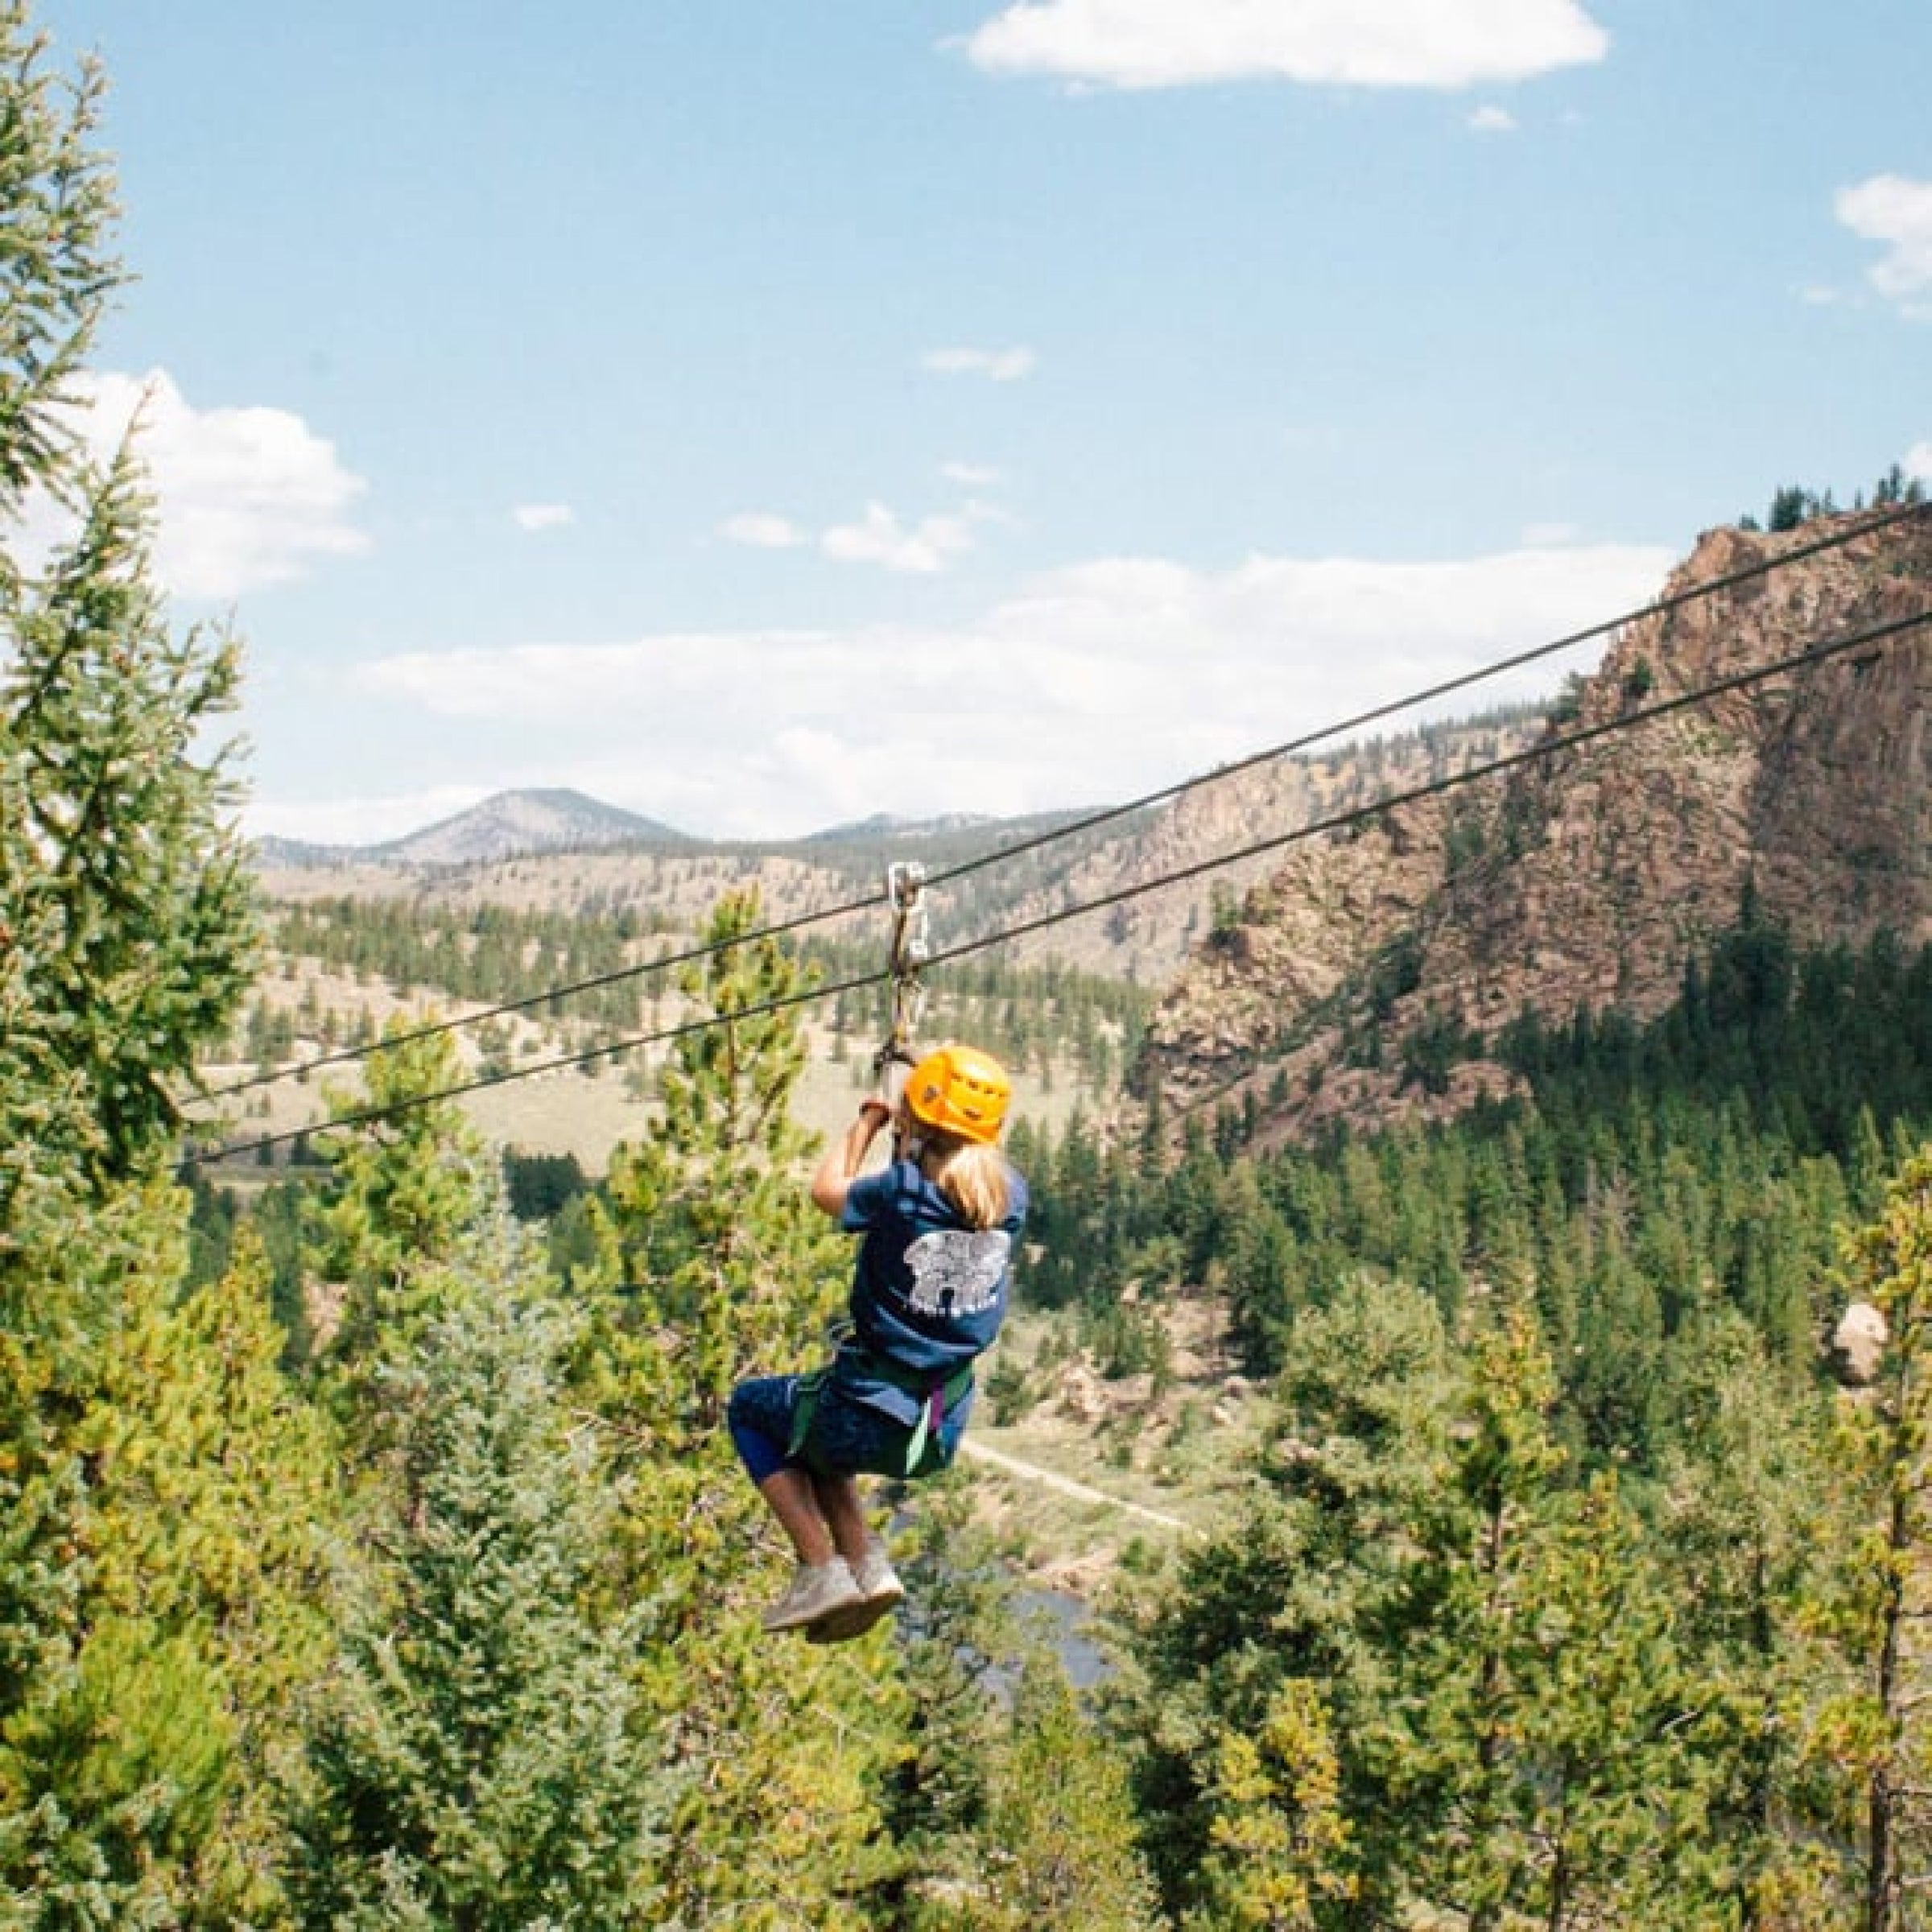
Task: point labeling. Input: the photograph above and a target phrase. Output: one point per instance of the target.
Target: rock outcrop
(1363, 976)
(1858, 1345)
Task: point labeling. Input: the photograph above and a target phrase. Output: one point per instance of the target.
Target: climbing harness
(925, 1448)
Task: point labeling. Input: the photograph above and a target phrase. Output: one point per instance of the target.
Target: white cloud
(762, 531)
(245, 497)
(1493, 120)
(542, 516)
(1150, 43)
(879, 537)
(1918, 460)
(971, 476)
(1891, 209)
(995, 365)
(1102, 681)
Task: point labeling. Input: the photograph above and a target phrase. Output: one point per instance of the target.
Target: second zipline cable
(1872, 636)
(1378, 714)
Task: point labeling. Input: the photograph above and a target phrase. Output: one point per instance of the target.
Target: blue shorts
(848, 1437)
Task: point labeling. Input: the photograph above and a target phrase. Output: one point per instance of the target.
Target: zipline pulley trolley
(911, 947)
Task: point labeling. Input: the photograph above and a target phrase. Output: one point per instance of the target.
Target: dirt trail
(1031, 1472)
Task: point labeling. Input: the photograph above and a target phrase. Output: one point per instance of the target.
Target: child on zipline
(929, 1290)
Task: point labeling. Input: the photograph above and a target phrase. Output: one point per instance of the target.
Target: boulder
(1081, 1397)
(1858, 1345)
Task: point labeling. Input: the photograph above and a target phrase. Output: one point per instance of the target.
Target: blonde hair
(971, 1174)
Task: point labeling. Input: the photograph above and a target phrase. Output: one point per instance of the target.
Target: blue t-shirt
(928, 1291)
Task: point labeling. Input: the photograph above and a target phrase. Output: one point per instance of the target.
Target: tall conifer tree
(713, 1265)
(125, 940)
(1890, 1265)
(1058, 1846)
(475, 1761)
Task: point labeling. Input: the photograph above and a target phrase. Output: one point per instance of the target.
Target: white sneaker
(880, 1593)
(817, 1589)
(876, 1576)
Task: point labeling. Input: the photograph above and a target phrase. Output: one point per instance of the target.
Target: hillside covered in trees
(1755, 744)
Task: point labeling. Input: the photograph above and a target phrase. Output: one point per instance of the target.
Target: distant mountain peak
(510, 824)
(507, 825)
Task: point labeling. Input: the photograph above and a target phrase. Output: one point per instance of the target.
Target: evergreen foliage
(1883, 1732)
(472, 1762)
(405, 1191)
(1510, 1709)
(1792, 504)
(1279, 1844)
(1754, 1515)
(710, 1263)
(958, 1635)
(707, 1219)
(1059, 1843)
(151, 1607)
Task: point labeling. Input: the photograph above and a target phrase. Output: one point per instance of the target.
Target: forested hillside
(1084, 890)
(373, 1553)
(560, 1021)
(1758, 740)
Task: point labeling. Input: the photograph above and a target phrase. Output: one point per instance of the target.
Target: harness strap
(939, 1397)
(804, 1406)
(935, 1399)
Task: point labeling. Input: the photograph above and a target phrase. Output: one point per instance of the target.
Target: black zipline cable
(1876, 634)
(1660, 607)
(615, 976)
(1108, 815)
(1873, 635)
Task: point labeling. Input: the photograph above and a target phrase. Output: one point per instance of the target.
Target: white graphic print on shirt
(955, 1274)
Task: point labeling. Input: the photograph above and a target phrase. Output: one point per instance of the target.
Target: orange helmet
(960, 1090)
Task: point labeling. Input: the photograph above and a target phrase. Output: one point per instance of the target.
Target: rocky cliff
(1365, 975)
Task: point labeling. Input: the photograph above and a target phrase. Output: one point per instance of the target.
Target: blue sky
(762, 416)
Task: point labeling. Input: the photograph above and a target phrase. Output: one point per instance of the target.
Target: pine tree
(713, 1264)
(216, 1500)
(407, 1190)
(1059, 1836)
(125, 919)
(135, 1749)
(474, 1762)
(1473, 1655)
(1262, 1278)
(1312, 1586)
(960, 1650)
(714, 1229)
(1534, 1768)
(125, 942)
(1757, 1541)
(1280, 1842)
(1889, 1264)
